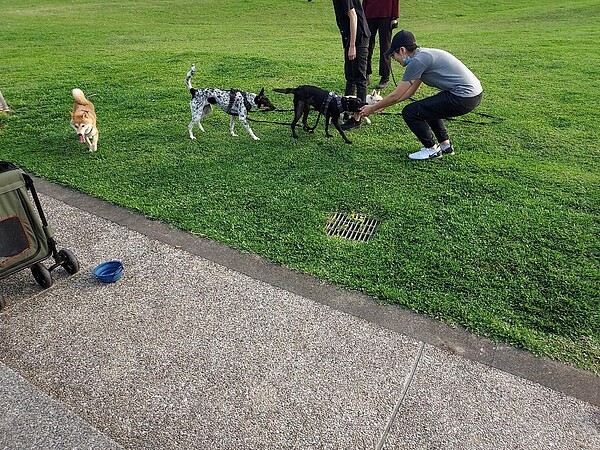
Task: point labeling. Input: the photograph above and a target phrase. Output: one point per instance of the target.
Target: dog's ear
(262, 92)
(374, 93)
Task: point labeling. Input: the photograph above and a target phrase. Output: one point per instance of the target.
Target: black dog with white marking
(330, 104)
(233, 102)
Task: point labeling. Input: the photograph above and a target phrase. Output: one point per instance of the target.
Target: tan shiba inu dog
(83, 120)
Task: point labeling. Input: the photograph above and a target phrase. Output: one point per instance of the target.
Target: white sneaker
(427, 153)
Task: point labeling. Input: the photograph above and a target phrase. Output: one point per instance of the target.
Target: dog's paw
(256, 138)
(193, 138)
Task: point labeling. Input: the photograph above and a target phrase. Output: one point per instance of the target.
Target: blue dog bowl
(109, 271)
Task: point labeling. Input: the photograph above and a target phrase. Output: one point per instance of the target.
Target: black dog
(327, 103)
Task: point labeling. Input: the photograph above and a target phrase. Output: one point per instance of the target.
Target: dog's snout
(266, 105)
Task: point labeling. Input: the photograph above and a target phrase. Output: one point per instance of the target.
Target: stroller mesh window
(13, 239)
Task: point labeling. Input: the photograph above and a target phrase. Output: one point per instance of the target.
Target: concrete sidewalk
(202, 346)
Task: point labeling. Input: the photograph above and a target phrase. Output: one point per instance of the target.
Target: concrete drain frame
(351, 226)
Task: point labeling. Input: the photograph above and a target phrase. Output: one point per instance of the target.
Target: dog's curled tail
(79, 97)
(188, 79)
(285, 90)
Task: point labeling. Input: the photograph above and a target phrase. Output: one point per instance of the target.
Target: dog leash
(280, 123)
(493, 120)
(269, 121)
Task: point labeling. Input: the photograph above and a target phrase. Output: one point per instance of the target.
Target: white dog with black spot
(232, 101)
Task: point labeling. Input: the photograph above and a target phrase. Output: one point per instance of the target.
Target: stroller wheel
(69, 261)
(42, 275)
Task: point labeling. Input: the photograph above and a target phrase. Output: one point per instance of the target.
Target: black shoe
(448, 151)
(351, 124)
(383, 83)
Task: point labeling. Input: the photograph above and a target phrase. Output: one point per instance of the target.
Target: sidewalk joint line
(407, 383)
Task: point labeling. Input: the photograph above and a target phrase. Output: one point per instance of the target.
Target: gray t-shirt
(440, 69)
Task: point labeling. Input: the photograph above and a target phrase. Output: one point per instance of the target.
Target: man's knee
(410, 112)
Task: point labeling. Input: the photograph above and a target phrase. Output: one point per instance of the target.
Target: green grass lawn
(501, 238)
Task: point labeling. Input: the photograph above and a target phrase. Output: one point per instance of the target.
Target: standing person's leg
(385, 41)
(355, 72)
(360, 68)
(359, 77)
(350, 88)
(373, 26)
(348, 72)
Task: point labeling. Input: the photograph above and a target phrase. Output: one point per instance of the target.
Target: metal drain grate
(353, 226)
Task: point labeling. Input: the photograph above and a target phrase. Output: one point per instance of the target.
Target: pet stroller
(26, 239)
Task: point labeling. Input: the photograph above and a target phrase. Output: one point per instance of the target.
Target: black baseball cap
(401, 39)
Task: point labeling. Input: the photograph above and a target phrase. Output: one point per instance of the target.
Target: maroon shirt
(375, 9)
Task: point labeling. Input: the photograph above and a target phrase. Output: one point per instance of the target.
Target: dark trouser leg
(356, 72)
(361, 72)
(348, 72)
(383, 27)
(373, 27)
(425, 118)
(385, 41)
(350, 88)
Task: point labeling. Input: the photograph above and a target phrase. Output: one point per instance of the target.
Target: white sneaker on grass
(427, 153)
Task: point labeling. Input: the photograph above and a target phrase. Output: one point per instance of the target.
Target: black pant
(383, 26)
(355, 71)
(426, 117)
